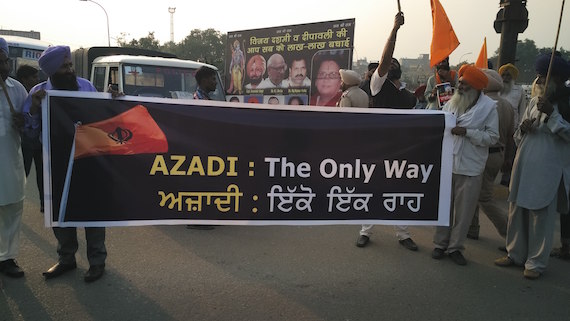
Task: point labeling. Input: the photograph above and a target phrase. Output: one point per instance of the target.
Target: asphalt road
(276, 273)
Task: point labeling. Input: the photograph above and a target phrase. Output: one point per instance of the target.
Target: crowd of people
(496, 131)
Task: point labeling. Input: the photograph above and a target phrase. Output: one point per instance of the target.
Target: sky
(83, 24)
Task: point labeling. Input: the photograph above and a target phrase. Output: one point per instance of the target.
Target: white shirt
(481, 121)
(517, 98)
(376, 83)
(12, 175)
(266, 83)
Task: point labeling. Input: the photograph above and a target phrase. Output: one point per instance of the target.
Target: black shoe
(409, 244)
(458, 258)
(11, 269)
(95, 273)
(200, 227)
(472, 236)
(58, 269)
(362, 241)
(438, 253)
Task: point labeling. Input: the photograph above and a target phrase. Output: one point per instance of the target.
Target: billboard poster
(289, 65)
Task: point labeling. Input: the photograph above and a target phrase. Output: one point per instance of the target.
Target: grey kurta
(542, 162)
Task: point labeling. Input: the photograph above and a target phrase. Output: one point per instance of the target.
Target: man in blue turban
(540, 179)
(56, 63)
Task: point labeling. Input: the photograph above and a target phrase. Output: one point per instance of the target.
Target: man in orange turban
(476, 130)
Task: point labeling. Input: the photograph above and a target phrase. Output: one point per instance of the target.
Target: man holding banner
(12, 174)
(387, 91)
(56, 63)
(477, 128)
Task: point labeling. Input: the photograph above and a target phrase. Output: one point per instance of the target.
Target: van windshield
(159, 81)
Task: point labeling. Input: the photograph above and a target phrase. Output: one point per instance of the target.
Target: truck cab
(149, 76)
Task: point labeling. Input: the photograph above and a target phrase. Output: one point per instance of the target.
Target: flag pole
(399, 7)
(554, 49)
(548, 73)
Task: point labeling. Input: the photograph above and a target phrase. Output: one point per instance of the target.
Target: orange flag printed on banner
(443, 41)
(129, 133)
(482, 59)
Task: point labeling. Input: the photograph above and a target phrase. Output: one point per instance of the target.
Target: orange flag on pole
(482, 59)
(129, 133)
(443, 41)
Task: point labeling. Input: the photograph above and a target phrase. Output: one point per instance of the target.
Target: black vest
(391, 97)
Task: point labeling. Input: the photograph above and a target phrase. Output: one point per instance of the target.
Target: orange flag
(443, 41)
(482, 59)
(129, 133)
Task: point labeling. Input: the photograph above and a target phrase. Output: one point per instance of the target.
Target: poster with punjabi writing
(151, 161)
(289, 65)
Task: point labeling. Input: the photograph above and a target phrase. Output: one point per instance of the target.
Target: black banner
(159, 161)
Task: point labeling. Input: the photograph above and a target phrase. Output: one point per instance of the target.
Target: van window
(161, 81)
(113, 78)
(99, 78)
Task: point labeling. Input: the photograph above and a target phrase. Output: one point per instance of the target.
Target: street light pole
(463, 55)
(106, 15)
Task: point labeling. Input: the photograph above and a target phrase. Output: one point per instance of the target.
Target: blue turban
(52, 58)
(3, 45)
(560, 67)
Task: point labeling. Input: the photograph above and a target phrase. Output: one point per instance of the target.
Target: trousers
(67, 244)
(464, 197)
(10, 225)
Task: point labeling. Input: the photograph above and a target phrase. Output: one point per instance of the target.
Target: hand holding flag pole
(400, 9)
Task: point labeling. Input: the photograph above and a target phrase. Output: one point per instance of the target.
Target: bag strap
(3, 84)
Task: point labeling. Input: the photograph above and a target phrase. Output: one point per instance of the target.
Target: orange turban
(473, 76)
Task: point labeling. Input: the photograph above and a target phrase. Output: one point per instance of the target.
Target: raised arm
(386, 59)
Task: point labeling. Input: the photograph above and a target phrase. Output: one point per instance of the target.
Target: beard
(394, 74)
(461, 102)
(507, 86)
(66, 81)
(538, 89)
(255, 81)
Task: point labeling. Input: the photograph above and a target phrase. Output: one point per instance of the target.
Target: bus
(25, 51)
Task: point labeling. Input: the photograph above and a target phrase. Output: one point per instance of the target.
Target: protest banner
(285, 62)
(151, 161)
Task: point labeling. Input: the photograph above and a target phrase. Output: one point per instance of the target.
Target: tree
(527, 52)
(203, 45)
(148, 42)
(200, 45)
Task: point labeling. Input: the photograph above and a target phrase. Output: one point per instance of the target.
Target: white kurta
(542, 162)
(12, 175)
(517, 98)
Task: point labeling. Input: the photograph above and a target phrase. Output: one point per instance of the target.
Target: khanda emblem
(121, 135)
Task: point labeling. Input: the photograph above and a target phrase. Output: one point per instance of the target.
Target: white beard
(460, 102)
(507, 86)
(538, 90)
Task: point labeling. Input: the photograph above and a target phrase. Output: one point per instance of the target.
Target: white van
(149, 76)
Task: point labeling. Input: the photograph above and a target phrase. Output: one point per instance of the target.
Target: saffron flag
(129, 133)
(443, 41)
(482, 59)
